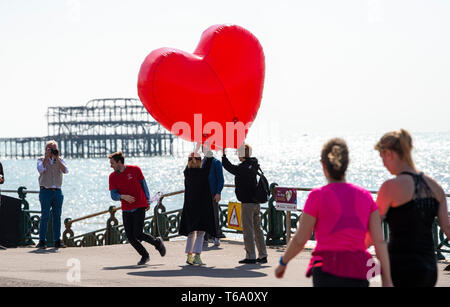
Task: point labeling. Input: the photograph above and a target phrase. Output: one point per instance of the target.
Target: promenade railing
(165, 224)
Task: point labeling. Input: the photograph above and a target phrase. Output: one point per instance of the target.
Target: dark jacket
(198, 212)
(216, 180)
(245, 178)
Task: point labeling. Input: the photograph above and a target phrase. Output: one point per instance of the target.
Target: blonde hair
(399, 141)
(51, 142)
(194, 163)
(334, 156)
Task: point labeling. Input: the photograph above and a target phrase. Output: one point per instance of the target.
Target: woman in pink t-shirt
(341, 215)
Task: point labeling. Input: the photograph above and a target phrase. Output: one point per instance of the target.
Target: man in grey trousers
(245, 181)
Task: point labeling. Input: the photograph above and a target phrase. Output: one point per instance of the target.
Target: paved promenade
(116, 266)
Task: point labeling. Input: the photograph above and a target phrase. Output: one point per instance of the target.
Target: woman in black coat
(197, 217)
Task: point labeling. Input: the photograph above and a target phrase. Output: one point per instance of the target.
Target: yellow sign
(234, 216)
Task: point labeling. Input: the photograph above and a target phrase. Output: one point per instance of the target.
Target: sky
(362, 65)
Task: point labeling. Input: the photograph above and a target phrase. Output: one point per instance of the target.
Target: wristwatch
(281, 261)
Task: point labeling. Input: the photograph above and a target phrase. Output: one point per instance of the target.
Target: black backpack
(262, 188)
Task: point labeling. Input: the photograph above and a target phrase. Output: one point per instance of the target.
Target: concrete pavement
(115, 266)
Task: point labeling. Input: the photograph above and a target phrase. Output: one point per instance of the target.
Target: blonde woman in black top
(410, 202)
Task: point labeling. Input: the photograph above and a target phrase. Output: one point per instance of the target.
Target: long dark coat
(198, 212)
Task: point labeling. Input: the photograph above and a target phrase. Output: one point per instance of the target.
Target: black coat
(245, 178)
(198, 212)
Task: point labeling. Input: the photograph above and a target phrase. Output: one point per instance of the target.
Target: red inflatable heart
(211, 95)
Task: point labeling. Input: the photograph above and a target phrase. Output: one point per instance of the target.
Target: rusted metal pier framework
(101, 127)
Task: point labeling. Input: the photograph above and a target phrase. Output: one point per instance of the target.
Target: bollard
(25, 221)
(112, 235)
(159, 223)
(68, 233)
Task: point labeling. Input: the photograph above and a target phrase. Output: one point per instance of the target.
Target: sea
(289, 158)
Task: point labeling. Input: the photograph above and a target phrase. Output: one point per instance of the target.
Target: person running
(341, 214)
(245, 182)
(410, 202)
(127, 184)
(197, 217)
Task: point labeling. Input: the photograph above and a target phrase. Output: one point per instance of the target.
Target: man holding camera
(51, 169)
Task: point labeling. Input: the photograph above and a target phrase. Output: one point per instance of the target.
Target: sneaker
(59, 244)
(262, 260)
(198, 260)
(216, 242)
(248, 261)
(160, 247)
(190, 259)
(144, 260)
(41, 245)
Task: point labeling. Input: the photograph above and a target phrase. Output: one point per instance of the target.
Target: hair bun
(335, 157)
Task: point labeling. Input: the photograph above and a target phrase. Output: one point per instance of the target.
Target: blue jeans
(50, 199)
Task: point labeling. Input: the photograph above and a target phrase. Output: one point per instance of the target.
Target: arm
(443, 217)
(233, 169)
(220, 180)
(62, 165)
(146, 192)
(115, 195)
(114, 192)
(197, 147)
(302, 235)
(45, 162)
(384, 198)
(380, 248)
(40, 165)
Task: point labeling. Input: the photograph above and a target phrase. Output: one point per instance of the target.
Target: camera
(55, 152)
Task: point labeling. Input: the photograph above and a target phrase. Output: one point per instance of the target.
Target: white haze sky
(362, 65)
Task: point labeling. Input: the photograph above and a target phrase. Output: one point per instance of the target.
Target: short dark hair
(335, 157)
(118, 156)
(245, 151)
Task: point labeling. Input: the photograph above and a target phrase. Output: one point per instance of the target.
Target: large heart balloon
(212, 95)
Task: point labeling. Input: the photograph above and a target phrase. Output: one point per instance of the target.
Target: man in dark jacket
(245, 181)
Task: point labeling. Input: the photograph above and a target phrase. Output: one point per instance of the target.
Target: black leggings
(134, 229)
(322, 279)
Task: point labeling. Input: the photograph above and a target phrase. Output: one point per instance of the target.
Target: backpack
(262, 188)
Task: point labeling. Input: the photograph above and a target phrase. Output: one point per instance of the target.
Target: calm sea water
(289, 159)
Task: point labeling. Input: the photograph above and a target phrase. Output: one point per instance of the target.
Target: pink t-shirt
(342, 211)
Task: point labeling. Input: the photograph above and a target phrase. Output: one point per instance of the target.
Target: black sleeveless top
(411, 224)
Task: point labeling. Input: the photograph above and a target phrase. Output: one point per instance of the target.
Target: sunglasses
(196, 158)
